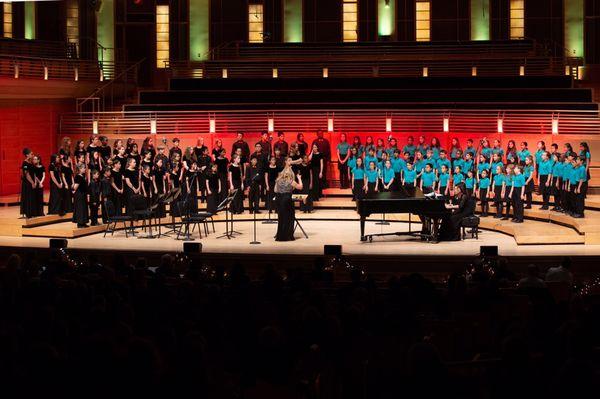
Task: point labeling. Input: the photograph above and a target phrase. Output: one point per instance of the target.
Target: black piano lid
(404, 193)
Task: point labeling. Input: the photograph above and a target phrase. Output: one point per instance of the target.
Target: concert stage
(334, 221)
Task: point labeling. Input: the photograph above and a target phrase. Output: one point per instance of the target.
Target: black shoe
(497, 217)
(257, 212)
(95, 224)
(518, 221)
(577, 215)
(527, 207)
(505, 218)
(555, 209)
(544, 208)
(81, 226)
(484, 214)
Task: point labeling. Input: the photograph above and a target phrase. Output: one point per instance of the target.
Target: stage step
(62, 230)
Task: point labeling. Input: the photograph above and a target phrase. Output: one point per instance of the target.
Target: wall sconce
(153, 125)
(275, 73)
(325, 72)
(388, 124)
(425, 72)
(271, 125)
(95, 126)
(224, 73)
(212, 125)
(76, 74)
(16, 71)
(330, 124)
(45, 73)
(474, 71)
(446, 124)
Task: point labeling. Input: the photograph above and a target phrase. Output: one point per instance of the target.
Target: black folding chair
(112, 219)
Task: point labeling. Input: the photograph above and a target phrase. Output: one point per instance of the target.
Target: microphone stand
(254, 237)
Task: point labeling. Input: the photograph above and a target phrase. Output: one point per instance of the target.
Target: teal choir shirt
(410, 175)
(458, 178)
(484, 183)
(372, 175)
(352, 163)
(511, 157)
(379, 151)
(470, 183)
(368, 147)
(499, 180)
(431, 161)
(420, 165)
(499, 151)
(523, 154)
(577, 174)
(483, 166)
(398, 164)
(441, 162)
(461, 164)
(495, 165)
(454, 152)
(360, 149)
(467, 165)
(471, 150)
(518, 181)
(566, 170)
(545, 167)
(527, 171)
(444, 178)
(436, 152)
(423, 149)
(538, 156)
(585, 155)
(486, 152)
(387, 174)
(410, 149)
(369, 159)
(390, 151)
(428, 178)
(557, 170)
(343, 148)
(358, 173)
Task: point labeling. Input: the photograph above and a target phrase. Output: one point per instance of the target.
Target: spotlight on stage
(192, 247)
(488, 251)
(58, 243)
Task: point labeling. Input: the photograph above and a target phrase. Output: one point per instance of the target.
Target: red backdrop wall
(26, 124)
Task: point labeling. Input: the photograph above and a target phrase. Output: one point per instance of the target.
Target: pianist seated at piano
(460, 208)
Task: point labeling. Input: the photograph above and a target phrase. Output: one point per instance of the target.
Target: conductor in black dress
(450, 229)
(284, 185)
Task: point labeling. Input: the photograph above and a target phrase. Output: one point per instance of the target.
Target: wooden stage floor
(333, 222)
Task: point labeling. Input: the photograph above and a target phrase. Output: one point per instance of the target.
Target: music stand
(299, 197)
(225, 205)
(171, 199)
(269, 220)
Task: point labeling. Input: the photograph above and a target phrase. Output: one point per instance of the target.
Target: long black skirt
(212, 201)
(26, 199)
(81, 214)
(55, 203)
(237, 205)
(37, 207)
(67, 198)
(285, 218)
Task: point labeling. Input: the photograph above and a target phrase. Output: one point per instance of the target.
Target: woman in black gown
(235, 183)
(38, 176)
(67, 174)
(55, 204)
(450, 228)
(27, 184)
(284, 185)
(80, 192)
(132, 185)
(316, 166)
(213, 189)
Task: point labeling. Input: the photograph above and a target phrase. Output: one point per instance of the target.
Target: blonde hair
(286, 174)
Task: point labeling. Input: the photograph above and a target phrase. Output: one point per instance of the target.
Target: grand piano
(408, 200)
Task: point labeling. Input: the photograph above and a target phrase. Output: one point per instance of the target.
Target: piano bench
(471, 222)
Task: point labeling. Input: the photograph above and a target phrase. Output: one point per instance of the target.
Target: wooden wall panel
(25, 124)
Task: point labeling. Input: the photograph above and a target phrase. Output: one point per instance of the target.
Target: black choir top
(26, 170)
(213, 182)
(133, 177)
(315, 161)
(272, 173)
(304, 171)
(117, 178)
(236, 172)
(147, 182)
(221, 165)
(122, 161)
(82, 187)
(38, 171)
(52, 168)
(174, 176)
